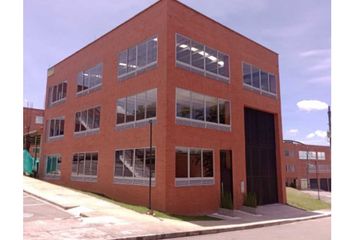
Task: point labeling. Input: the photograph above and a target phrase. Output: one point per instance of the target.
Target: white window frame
(61, 118)
(84, 177)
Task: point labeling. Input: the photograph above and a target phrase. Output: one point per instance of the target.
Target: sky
(299, 31)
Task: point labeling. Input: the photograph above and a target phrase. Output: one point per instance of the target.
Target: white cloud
(310, 105)
(317, 133)
(315, 52)
(293, 131)
(322, 79)
(323, 64)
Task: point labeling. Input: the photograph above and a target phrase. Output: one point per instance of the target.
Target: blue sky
(300, 31)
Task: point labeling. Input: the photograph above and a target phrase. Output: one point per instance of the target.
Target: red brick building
(212, 94)
(307, 166)
(32, 129)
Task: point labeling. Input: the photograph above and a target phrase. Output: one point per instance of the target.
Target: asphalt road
(318, 229)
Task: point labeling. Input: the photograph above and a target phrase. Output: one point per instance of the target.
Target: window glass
(272, 84)
(211, 60)
(77, 122)
(95, 75)
(255, 77)
(94, 163)
(208, 163)
(61, 132)
(80, 82)
(198, 106)
(197, 50)
(264, 81)
(223, 64)
(195, 166)
(321, 155)
(64, 89)
(152, 50)
(87, 170)
(55, 93)
(52, 125)
(81, 164)
(39, 120)
(85, 80)
(128, 163)
(140, 105)
(183, 51)
(142, 54)
(312, 155)
(302, 155)
(246, 74)
(181, 163)
(56, 128)
(131, 59)
(123, 62)
(151, 103)
(96, 112)
(90, 116)
(130, 109)
(224, 112)
(60, 92)
(119, 164)
(74, 164)
(139, 163)
(83, 121)
(183, 103)
(150, 159)
(121, 110)
(211, 104)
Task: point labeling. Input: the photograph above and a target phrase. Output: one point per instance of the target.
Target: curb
(65, 207)
(220, 230)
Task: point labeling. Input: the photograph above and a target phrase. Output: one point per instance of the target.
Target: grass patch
(143, 210)
(304, 201)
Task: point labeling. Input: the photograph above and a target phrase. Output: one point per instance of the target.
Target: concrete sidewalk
(95, 218)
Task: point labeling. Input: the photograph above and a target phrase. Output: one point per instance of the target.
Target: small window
(151, 96)
(128, 163)
(39, 120)
(195, 166)
(142, 55)
(272, 84)
(84, 164)
(255, 77)
(183, 49)
(123, 62)
(247, 78)
(224, 112)
(121, 110)
(130, 117)
(132, 59)
(53, 163)
(264, 81)
(152, 50)
(223, 64)
(211, 104)
(197, 55)
(198, 107)
(56, 127)
(183, 103)
(181, 163)
(321, 156)
(208, 168)
(211, 60)
(140, 106)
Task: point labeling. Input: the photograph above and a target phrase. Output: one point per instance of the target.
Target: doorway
(226, 186)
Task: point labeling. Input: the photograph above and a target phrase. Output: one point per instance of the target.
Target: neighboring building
(212, 94)
(307, 165)
(32, 130)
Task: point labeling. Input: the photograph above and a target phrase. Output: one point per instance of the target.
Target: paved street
(318, 229)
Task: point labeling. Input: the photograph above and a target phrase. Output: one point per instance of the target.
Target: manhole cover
(27, 215)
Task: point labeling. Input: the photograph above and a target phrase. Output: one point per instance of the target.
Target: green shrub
(250, 200)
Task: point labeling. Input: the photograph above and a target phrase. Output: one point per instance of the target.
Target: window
(137, 107)
(134, 163)
(312, 155)
(39, 120)
(195, 106)
(321, 156)
(53, 163)
(303, 155)
(193, 163)
(90, 78)
(56, 127)
(224, 112)
(259, 79)
(247, 77)
(85, 164)
(198, 107)
(183, 103)
(87, 120)
(138, 57)
(197, 56)
(57, 93)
